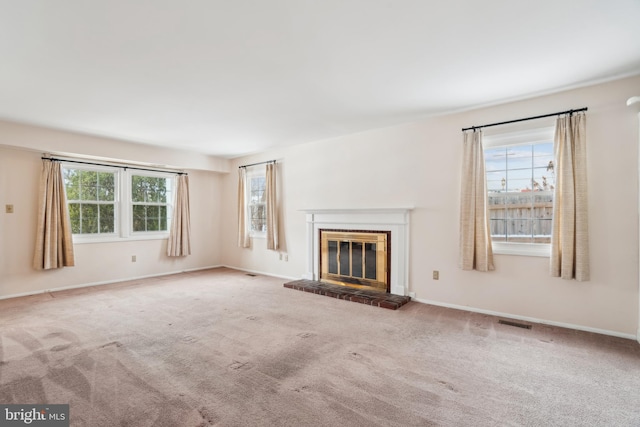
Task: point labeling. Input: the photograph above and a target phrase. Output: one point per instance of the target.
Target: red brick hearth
(363, 296)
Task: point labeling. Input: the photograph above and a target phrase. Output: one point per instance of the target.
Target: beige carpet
(222, 348)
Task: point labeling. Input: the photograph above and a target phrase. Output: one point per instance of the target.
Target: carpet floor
(221, 348)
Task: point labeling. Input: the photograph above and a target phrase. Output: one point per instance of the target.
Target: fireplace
(356, 258)
(391, 224)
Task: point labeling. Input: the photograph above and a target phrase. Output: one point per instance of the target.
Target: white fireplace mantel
(395, 220)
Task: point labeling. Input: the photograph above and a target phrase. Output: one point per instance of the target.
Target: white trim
(635, 102)
(523, 249)
(538, 135)
(106, 282)
(528, 319)
(395, 220)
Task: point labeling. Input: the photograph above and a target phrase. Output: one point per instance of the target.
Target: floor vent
(251, 274)
(516, 324)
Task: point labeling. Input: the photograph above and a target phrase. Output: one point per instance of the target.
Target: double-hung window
(520, 175)
(150, 203)
(112, 203)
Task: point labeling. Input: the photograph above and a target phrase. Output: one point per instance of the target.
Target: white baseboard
(529, 319)
(106, 282)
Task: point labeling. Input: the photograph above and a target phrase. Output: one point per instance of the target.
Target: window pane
(497, 230)
(496, 181)
(139, 216)
(106, 186)
(495, 159)
(89, 219)
(542, 227)
(74, 216)
(519, 157)
(258, 218)
(162, 190)
(107, 219)
(153, 224)
(163, 218)
(519, 185)
(518, 228)
(88, 185)
(151, 188)
(137, 189)
(72, 184)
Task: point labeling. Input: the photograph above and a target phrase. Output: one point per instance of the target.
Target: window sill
(522, 249)
(81, 240)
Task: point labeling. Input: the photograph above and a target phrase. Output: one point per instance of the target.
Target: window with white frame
(257, 202)
(92, 200)
(111, 203)
(150, 203)
(520, 175)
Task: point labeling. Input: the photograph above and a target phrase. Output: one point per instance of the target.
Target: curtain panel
(272, 209)
(243, 235)
(179, 243)
(54, 240)
(570, 233)
(476, 252)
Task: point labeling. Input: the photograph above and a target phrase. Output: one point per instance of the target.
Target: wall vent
(516, 324)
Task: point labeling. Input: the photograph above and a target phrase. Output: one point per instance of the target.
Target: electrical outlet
(9, 208)
(286, 257)
(436, 275)
(133, 258)
(280, 256)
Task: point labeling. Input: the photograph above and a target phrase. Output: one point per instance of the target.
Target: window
(91, 200)
(110, 204)
(149, 203)
(257, 203)
(520, 175)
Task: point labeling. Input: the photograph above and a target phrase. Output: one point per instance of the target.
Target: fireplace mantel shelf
(357, 210)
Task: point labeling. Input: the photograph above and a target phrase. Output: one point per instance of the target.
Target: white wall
(418, 164)
(95, 262)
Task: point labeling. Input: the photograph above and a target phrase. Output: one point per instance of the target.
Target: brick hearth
(362, 296)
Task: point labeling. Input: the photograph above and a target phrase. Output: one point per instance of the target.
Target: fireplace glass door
(354, 258)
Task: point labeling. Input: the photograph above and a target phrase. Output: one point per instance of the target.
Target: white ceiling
(231, 77)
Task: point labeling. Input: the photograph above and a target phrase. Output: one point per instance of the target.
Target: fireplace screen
(354, 258)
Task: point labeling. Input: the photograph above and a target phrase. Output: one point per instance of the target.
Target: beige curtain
(570, 233)
(179, 243)
(476, 252)
(243, 235)
(54, 241)
(272, 209)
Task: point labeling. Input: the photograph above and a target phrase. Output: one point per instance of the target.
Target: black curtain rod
(256, 164)
(53, 159)
(526, 118)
